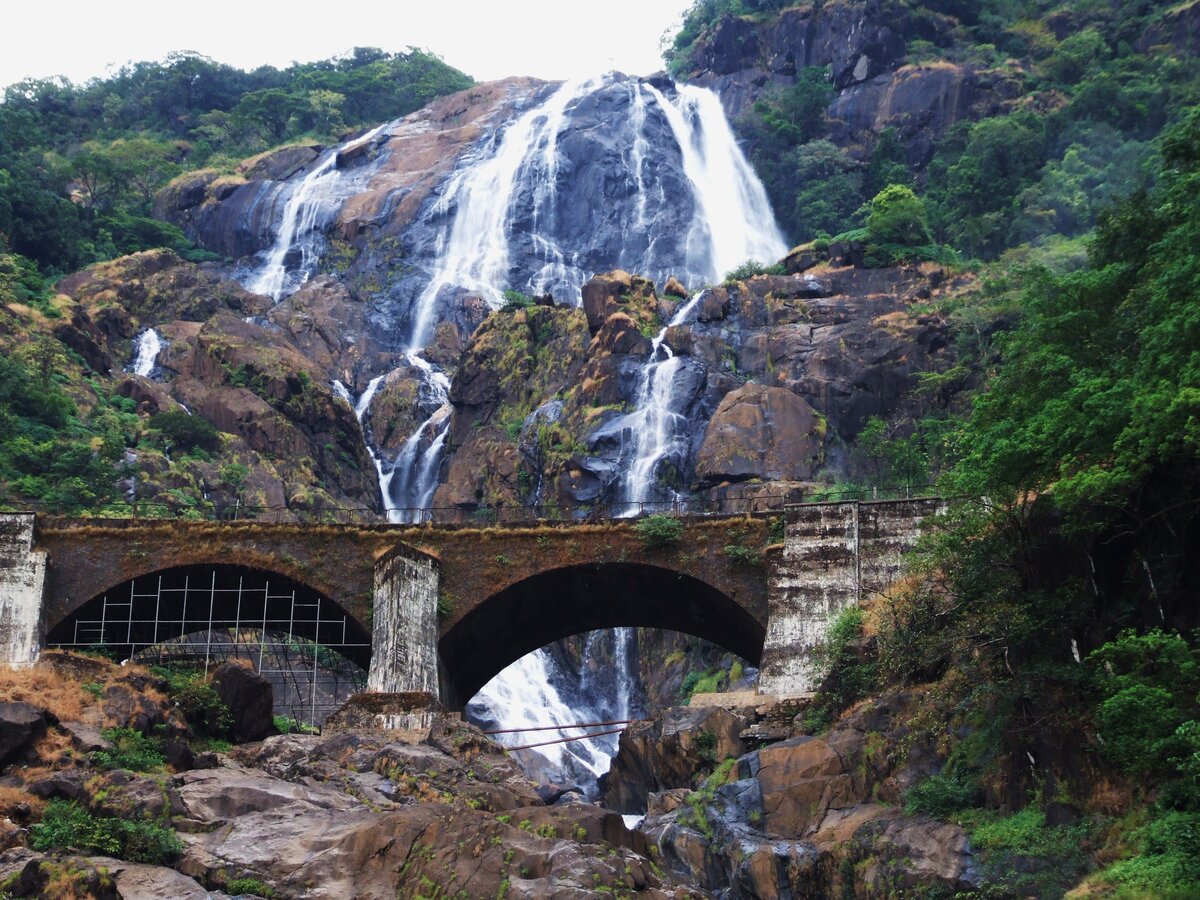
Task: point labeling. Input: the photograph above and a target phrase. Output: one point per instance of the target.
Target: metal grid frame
(304, 643)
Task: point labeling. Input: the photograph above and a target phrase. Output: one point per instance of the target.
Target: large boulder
(20, 725)
(250, 699)
(669, 752)
(760, 432)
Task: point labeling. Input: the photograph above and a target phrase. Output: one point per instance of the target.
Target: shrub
(750, 268)
(185, 432)
(131, 750)
(204, 710)
(250, 886)
(942, 794)
(514, 300)
(659, 531)
(68, 826)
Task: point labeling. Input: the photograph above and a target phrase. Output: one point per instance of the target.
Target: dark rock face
(760, 432)
(809, 817)
(664, 753)
(250, 698)
(20, 725)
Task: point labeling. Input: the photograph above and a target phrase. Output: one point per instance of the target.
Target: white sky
(547, 38)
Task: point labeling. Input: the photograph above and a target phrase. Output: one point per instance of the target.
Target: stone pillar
(816, 578)
(834, 556)
(22, 579)
(404, 624)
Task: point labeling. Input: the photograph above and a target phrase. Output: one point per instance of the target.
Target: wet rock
(760, 432)
(21, 724)
(668, 752)
(279, 165)
(250, 699)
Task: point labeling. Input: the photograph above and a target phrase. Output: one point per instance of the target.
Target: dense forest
(1055, 612)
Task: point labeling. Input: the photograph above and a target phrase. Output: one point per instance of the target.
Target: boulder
(20, 725)
(250, 699)
(760, 432)
(668, 752)
(674, 288)
(602, 297)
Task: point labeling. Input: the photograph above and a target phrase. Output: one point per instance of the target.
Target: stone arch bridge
(442, 609)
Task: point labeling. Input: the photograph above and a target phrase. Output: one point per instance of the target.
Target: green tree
(898, 217)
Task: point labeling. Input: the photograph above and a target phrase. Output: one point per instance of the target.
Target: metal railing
(479, 516)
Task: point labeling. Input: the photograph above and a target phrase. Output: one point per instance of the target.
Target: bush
(250, 886)
(750, 268)
(204, 710)
(131, 750)
(185, 432)
(898, 216)
(659, 531)
(514, 300)
(942, 794)
(68, 826)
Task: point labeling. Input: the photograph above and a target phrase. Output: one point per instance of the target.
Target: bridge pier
(22, 586)
(404, 657)
(834, 556)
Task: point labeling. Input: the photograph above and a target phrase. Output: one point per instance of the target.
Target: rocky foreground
(100, 762)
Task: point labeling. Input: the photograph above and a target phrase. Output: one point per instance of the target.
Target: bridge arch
(560, 602)
(160, 605)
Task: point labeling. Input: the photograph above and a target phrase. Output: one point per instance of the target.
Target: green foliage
(1006, 845)
(68, 826)
(185, 432)
(898, 217)
(750, 268)
(890, 460)
(288, 725)
(204, 709)
(131, 750)
(514, 300)
(1164, 863)
(943, 794)
(1149, 712)
(250, 886)
(659, 531)
(742, 557)
(117, 140)
(49, 453)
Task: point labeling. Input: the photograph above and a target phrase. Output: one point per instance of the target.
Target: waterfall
(148, 346)
(311, 205)
(733, 221)
(473, 253)
(536, 692)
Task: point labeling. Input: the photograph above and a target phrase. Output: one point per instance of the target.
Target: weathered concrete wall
(404, 628)
(22, 580)
(834, 556)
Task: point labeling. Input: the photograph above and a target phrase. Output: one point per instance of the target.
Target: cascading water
(310, 206)
(593, 175)
(148, 346)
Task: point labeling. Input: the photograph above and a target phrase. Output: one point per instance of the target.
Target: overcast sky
(547, 38)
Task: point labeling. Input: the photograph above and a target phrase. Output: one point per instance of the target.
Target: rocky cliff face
(260, 376)
(865, 47)
(799, 816)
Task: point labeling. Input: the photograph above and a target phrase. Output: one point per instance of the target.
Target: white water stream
(310, 206)
(148, 346)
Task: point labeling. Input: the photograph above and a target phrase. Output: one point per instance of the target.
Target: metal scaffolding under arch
(311, 650)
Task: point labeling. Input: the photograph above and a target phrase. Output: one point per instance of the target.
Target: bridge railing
(758, 504)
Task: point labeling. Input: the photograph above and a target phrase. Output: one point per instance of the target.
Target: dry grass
(47, 688)
(11, 799)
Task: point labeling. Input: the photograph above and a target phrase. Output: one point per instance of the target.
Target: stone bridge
(442, 609)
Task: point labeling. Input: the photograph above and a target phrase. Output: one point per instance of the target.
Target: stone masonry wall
(834, 556)
(22, 578)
